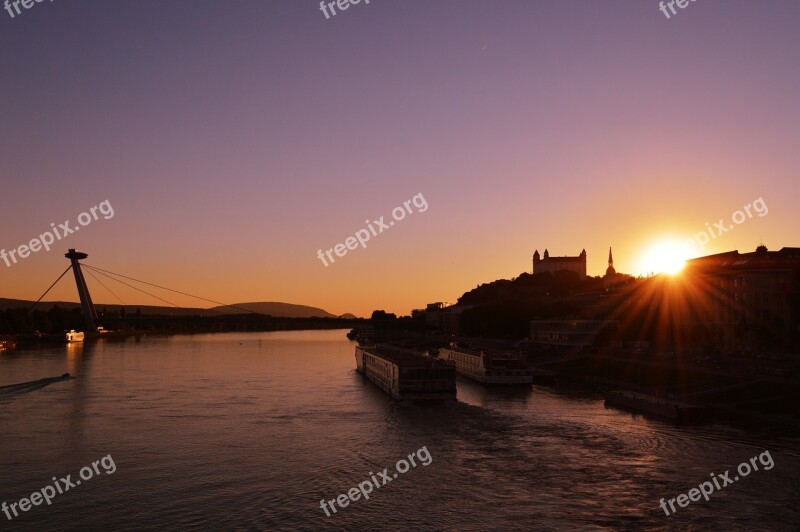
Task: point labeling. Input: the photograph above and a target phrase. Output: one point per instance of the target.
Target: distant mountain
(349, 317)
(282, 310)
(44, 305)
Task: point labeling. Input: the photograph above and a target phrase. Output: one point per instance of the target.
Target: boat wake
(11, 391)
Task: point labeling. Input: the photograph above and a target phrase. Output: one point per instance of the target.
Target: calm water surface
(250, 431)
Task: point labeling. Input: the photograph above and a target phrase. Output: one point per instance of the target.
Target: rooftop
(761, 259)
(402, 357)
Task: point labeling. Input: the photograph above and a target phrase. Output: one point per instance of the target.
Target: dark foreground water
(250, 431)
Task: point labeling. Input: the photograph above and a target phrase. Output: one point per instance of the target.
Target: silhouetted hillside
(9, 304)
(6, 304)
(283, 310)
(505, 308)
(528, 285)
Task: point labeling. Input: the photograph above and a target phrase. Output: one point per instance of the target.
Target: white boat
(489, 367)
(73, 336)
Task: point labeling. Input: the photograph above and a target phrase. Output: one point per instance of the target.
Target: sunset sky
(235, 139)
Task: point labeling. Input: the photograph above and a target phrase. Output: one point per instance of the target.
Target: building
(441, 317)
(612, 279)
(558, 264)
(747, 297)
(488, 366)
(572, 333)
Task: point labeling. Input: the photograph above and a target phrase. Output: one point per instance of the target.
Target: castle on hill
(576, 264)
(557, 264)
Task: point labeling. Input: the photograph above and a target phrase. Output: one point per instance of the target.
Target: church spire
(610, 271)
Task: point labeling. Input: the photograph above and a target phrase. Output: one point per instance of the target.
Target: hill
(272, 308)
(283, 310)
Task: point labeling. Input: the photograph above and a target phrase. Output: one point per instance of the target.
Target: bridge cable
(171, 290)
(51, 287)
(138, 289)
(104, 286)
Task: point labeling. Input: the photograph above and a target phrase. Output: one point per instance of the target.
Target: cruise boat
(405, 374)
(73, 336)
(488, 367)
(7, 344)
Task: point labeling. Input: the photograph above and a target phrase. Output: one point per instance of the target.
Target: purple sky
(234, 139)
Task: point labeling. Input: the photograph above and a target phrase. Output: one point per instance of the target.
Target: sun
(664, 256)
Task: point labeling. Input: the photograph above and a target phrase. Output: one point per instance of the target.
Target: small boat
(73, 336)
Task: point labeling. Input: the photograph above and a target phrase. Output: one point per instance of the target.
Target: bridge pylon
(89, 312)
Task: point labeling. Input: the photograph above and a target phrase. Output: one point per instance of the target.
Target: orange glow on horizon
(667, 255)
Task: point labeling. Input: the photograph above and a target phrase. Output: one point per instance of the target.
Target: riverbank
(167, 325)
(733, 394)
(758, 392)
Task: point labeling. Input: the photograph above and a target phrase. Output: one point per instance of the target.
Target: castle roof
(565, 259)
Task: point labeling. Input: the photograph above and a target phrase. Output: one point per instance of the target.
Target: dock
(677, 411)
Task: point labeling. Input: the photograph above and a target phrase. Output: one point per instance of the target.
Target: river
(249, 431)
